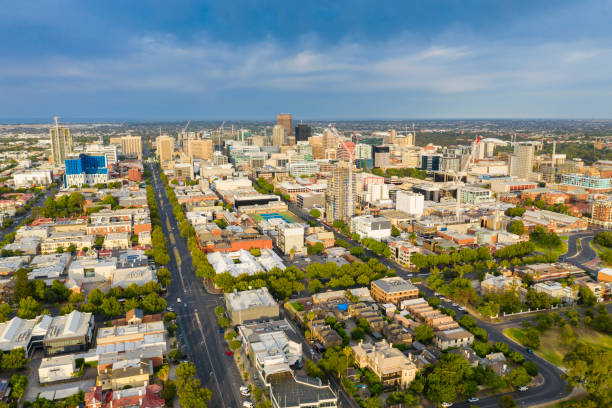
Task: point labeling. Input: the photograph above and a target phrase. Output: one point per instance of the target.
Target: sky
(361, 59)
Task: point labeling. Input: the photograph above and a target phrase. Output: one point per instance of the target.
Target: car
(447, 404)
(474, 399)
(248, 404)
(530, 351)
(185, 304)
(170, 309)
(229, 353)
(246, 393)
(462, 308)
(523, 388)
(454, 304)
(178, 300)
(243, 388)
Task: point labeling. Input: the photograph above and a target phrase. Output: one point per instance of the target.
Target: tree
(586, 296)
(518, 377)
(14, 360)
(434, 301)
(163, 373)
(315, 249)
(111, 307)
(190, 393)
(29, 308)
(164, 276)
(153, 303)
(18, 383)
(315, 286)
(23, 287)
(235, 345)
(313, 370)
(314, 213)
(517, 227)
(131, 303)
(506, 401)
(394, 231)
(423, 333)
(5, 311)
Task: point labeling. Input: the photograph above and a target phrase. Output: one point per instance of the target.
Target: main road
(198, 330)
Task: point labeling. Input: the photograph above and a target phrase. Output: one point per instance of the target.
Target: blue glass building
(86, 169)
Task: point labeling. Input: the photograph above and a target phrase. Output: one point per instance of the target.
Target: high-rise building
(346, 151)
(131, 146)
(85, 169)
(330, 141)
(165, 148)
(302, 132)
(200, 149)
(279, 135)
(61, 143)
(285, 120)
(244, 134)
(601, 212)
(410, 203)
(110, 151)
(341, 194)
(381, 156)
(521, 165)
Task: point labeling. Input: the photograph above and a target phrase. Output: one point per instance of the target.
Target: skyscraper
(200, 149)
(521, 164)
(341, 193)
(302, 132)
(165, 148)
(61, 142)
(285, 120)
(279, 135)
(381, 156)
(131, 146)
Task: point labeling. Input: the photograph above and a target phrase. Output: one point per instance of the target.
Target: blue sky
(149, 60)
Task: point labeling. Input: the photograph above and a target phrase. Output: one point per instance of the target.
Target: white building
(410, 203)
(33, 178)
(57, 368)
(291, 238)
(302, 168)
(117, 240)
(247, 263)
(371, 227)
(92, 269)
(475, 195)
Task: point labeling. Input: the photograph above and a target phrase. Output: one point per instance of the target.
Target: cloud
(163, 63)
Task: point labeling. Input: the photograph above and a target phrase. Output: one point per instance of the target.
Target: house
(390, 364)
(324, 334)
(458, 337)
(126, 373)
(140, 397)
(396, 334)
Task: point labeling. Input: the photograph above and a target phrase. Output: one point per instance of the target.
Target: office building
(393, 290)
(285, 120)
(380, 156)
(363, 151)
(110, 151)
(279, 135)
(431, 162)
(250, 305)
(61, 143)
(371, 227)
(291, 239)
(200, 149)
(521, 163)
(341, 193)
(165, 148)
(33, 178)
(475, 195)
(131, 146)
(86, 169)
(586, 181)
(410, 203)
(302, 132)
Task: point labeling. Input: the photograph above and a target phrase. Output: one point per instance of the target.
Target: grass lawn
(557, 251)
(599, 250)
(551, 348)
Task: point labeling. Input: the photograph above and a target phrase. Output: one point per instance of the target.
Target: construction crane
(463, 172)
(186, 126)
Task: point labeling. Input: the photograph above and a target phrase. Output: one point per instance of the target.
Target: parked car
(178, 300)
(447, 404)
(530, 351)
(229, 353)
(523, 388)
(474, 399)
(248, 404)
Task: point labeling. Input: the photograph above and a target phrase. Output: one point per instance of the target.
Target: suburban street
(198, 331)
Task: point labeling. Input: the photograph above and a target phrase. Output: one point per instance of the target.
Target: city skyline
(442, 59)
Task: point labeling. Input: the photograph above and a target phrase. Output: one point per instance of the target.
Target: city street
(204, 344)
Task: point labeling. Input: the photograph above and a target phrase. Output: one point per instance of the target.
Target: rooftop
(394, 284)
(250, 298)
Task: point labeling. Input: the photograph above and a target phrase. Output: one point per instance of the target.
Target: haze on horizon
(146, 60)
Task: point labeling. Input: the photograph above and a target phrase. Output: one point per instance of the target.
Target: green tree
(517, 227)
(190, 393)
(14, 360)
(423, 333)
(506, 401)
(164, 276)
(29, 308)
(153, 303)
(586, 296)
(23, 287)
(518, 377)
(395, 232)
(19, 384)
(314, 213)
(315, 286)
(5, 311)
(111, 307)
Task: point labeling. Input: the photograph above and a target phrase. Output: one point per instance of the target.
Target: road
(198, 329)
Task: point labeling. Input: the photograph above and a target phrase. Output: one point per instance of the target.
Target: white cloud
(162, 63)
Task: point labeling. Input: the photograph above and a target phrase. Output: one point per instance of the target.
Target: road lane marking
(197, 316)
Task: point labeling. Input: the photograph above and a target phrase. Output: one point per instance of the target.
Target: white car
(474, 399)
(248, 404)
(447, 404)
(523, 388)
(178, 300)
(455, 305)
(244, 391)
(462, 308)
